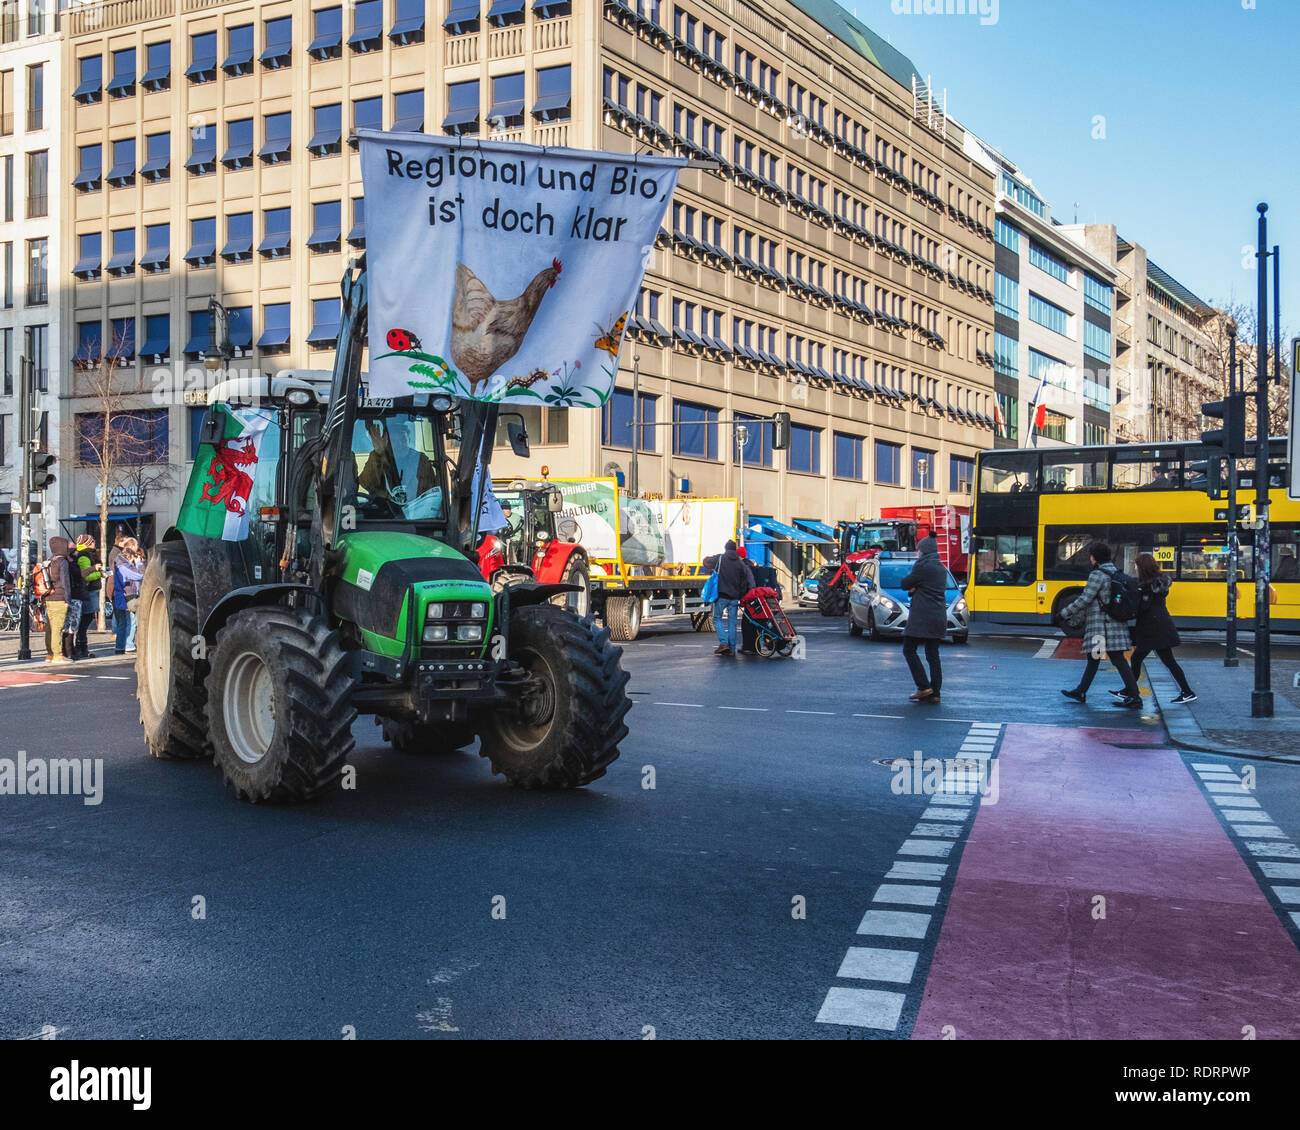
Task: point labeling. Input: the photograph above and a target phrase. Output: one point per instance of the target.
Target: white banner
(504, 272)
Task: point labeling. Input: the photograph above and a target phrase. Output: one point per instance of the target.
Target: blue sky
(1194, 141)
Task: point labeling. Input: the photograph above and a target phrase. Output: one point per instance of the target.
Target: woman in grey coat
(1101, 632)
(927, 619)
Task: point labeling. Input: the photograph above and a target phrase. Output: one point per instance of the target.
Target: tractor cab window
(399, 469)
(877, 537)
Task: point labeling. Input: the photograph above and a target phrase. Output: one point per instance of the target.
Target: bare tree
(114, 439)
(1243, 316)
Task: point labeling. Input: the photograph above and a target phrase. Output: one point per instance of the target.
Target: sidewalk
(1219, 720)
(101, 647)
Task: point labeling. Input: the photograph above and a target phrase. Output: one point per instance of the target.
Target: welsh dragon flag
(217, 498)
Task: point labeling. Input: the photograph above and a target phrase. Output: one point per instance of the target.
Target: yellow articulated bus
(1037, 510)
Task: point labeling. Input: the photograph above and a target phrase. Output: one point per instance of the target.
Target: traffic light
(42, 476)
(1231, 438)
(780, 431)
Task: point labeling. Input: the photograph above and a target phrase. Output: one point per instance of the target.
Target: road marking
(1267, 831)
(123, 678)
(946, 830)
(906, 894)
(895, 716)
(1047, 650)
(689, 705)
(1277, 851)
(1280, 870)
(1287, 894)
(1225, 787)
(894, 924)
(1235, 801)
(862, 1008)
(934, 812)
(1248, 816)
(826, 713)
(751, 709)
(866, 963)
(934, 872)
(924, 847)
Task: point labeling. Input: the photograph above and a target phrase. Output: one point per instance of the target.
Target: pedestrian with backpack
(735, 579)
(1154, 629)
(58, 589)
(1107, 604)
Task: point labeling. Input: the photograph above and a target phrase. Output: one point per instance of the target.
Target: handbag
(709, 594)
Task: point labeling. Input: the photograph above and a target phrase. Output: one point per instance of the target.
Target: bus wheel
(1058, 607)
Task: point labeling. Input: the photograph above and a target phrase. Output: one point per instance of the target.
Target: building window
(203, 243)
(121, 340)
(1009, 407)
(279, 138)
(408, 24)
(922, 469)
(36, 346)
(1095, 435)
(328, 34)
(200, 334)
(89, 260)
(616, 421)
(276, 328)
(35, 97)
(848, 462)
(805, 452)
(408, 111)
(757, 448)
(276, 233)
(90, 80)
(1048, 314)
(122, 172)
(367, 113)
(202, 160)
(1006, 355)
(1041, 365)
(122, 84)
(502, 13)
(889, 463)
(203, 58)
(239, 144)
(554, 94)
(1054, 425)
(507, 111)
(38, 265)
(357, 233)
(367, 26)
(1044, 260)
(89, 170)
(961, 473)
(462, 16)
(158, 157)
(139, 436)
(38, 183)
(122, 262)
(279, 43)
(1007, 235)
(1097, 294)
(462, 108)
(327, 130)
(696, 434)
(239, 50)
(90, 344)
(158, 66)
(157, 248)
(324, 330)
(1006, 296)
(326, 221)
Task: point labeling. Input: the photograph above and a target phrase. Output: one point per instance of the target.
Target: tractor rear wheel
(575, 573)
(623, 617)
(702, 621)
(171, 705)
(832, 599)
(280, 704)
(426, 737)
(564, 731)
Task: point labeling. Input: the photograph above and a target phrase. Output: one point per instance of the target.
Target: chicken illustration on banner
(216, 506)
(504, 272)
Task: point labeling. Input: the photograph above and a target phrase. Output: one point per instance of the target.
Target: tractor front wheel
(577, 573)
(280, 704)
(832, 599)
(432, 737)
(565, 727)
(171, 703)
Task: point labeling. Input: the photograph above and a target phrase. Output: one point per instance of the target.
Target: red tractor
(536, 542)
(859, 541)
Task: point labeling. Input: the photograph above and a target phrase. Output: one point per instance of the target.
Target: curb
(63, 668)
(1185, 733)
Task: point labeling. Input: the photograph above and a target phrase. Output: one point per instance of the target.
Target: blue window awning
(754, 536)
(817, 527)
(463, 13)
(779, 531)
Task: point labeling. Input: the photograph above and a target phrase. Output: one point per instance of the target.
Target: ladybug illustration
(402, 340)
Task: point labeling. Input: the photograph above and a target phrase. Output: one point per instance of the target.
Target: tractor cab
(864, 539)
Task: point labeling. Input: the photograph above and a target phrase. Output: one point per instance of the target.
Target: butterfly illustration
(609, 339)
(402, 340)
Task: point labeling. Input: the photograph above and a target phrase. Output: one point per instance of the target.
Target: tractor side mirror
(554, 501)
(212, 431)
(518, 436)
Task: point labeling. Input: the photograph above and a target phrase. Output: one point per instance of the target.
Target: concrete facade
(846, 269)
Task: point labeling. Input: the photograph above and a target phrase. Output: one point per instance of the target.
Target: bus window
(1013, 472)
(1285, 560)
(1070, 471)
(1203, 554)
(1006, 559)
(1143, 471)
(1065, 553)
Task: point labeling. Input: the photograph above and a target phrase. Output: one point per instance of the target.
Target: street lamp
(219, 349)
(742, 438)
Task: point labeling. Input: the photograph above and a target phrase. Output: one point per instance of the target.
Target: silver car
(878, 606)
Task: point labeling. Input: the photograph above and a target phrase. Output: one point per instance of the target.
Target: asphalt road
(433, 901)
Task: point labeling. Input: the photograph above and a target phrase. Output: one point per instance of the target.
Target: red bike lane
(1100, 898)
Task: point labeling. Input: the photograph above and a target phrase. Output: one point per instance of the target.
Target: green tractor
(357, 590)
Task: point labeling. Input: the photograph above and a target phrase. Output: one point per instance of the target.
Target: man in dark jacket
(735, 578)
(927, 619)
(56, 601)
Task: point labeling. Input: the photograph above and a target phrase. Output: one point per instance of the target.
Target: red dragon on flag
(230, 485)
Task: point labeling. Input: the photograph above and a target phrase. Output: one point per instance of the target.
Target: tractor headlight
(469, 632)
(478, 611)
(435, 633)
(434, 612)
